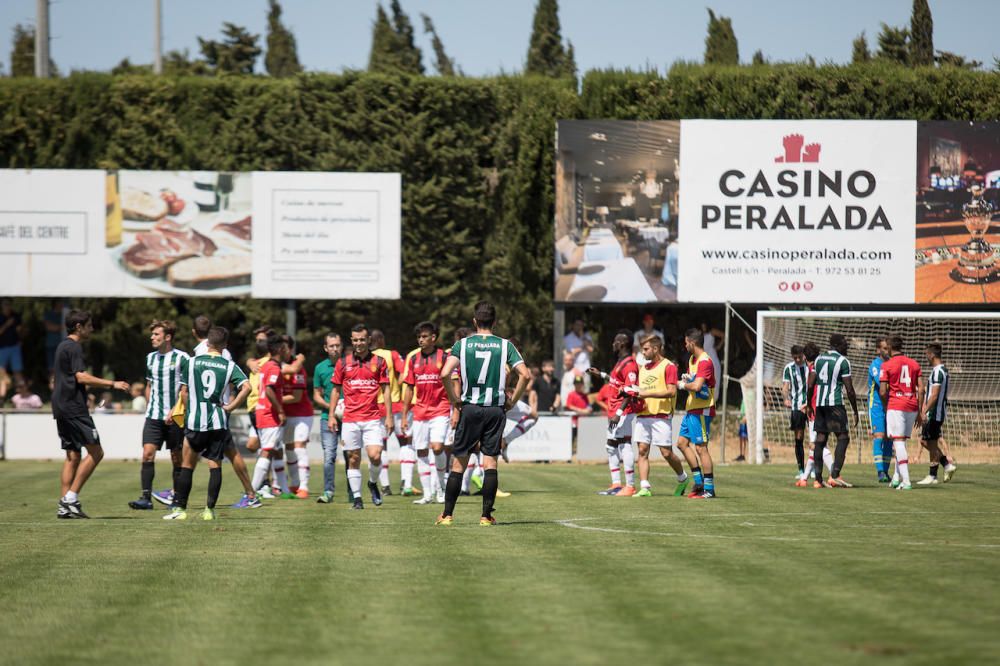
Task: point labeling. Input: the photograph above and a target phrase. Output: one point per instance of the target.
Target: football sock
(810, 466)
(292, 467)
(644, 484)
(354, 482)
(699, 480)
(886, 453)
(303, 467)
(710, 482)
(374, 472)
(490, 484)
(70, 497)
(800, 454)
(183, 489)
(146, 478)
(827, 458)
(406, 457)
(934, 470)
(843, 439)
(902, 463)
(614, 463)
(260, 471)
(466, 476)
(278, 466)
(176, 475)
(682, 477)
(441, 465)
(819, 452)
(214, 486)
(451, 492)
(383, 472)
(880, 464)
(627, 454)
(424, 470)
(943, 460)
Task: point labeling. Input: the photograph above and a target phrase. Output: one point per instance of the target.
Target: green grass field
(766, 574)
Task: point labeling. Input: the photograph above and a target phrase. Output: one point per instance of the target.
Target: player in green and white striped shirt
(483, 361)
(794, 381)
(831, 378)
(204, 380)
(162, 390)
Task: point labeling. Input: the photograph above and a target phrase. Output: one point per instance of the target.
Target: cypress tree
(758, 58)
(282, 58)
(859, 51)
(921, 35)
(235, 54)
(721, 47)
(382, 57)
(408, 56)
(444, 65)
(545, 50)
(22, 55)
(894, 45)
(569, 62)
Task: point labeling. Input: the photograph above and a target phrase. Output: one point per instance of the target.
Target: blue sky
(489, 37)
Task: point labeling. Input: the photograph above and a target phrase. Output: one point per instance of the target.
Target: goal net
(971, 353)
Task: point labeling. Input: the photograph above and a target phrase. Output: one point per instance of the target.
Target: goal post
(971, 353)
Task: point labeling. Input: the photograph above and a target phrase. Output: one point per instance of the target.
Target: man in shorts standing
(699, 382)
(478, 414)
(162, 390)
(794, 379)
(622, 412)
(935, 410)
(900, 383)
(299, 419)
(424, 397)
(831, 378)
(362, 377)
(69, 409)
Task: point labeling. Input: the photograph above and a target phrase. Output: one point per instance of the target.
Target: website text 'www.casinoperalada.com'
(825, 254)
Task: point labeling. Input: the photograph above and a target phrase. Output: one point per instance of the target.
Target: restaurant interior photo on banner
(616, 211)
(958, 209)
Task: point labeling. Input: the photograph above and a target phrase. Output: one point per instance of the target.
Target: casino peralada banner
(200, 233)
(762, 211)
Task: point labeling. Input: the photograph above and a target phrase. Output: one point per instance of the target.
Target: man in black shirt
(69, 408)
(544, 395)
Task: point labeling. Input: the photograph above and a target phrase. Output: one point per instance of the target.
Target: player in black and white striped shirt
(162, 391)
(935, 410)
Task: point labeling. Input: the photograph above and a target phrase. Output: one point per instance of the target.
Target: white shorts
(515, 428)
(518, 411)
(356, 434)
(624, 428)
(297, 428)
(653, 431)
(431, 430)
(397, 424)
(899, 424)
(270, 438)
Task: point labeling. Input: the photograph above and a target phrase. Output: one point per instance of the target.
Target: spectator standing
(648, 329)
(545, 391)
(25, 399)
(712, 337)
(581, 345)
(568, 376)
(138, 393)
(578, 403)
(10, 340)
(55, 331)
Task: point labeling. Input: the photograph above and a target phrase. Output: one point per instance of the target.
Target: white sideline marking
(574, 524)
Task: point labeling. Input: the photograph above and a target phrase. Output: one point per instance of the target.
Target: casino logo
(795, 151)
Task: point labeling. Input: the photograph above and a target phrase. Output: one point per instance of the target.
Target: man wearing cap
(648, 329)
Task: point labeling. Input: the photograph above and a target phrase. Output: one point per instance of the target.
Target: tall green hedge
(475, 154)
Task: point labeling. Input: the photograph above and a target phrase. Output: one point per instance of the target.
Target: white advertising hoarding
(805, 211)
(200, 233)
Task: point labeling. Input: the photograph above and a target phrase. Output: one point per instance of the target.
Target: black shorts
(931, 430)
(831, 419)
(77, 432)
(160, 432)
(210, 444)
(253, 418)
(797, 420)
(479, 425)
(230, 442)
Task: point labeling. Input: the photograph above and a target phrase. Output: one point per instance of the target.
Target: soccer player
(881, 445)
(831, 376)
(935, 410)
(424, 397)
(794, 378)
(699, 382)
(163, 388)
(811, 350)
(657, 389)
(69, 408)
(260, 336)
(362, 377)
(900, 382)
(271, 418)
(204, 383)
(622, 412)
(329, 438)
(298, 420)
(478, 415)
(407, 456)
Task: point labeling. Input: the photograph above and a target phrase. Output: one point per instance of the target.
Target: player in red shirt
(395, 366)
(270, 418)
(362, 377)
(621, 414)
(298, 422)
(424, 398)
(900, 386)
